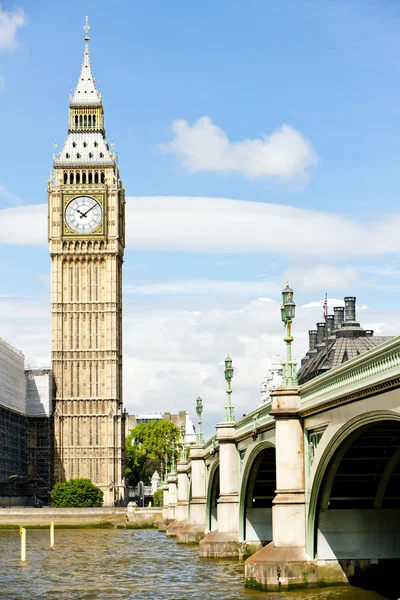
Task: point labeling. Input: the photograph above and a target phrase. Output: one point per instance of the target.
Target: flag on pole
(325, 307)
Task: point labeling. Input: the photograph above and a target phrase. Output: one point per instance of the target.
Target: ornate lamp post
(288, 309)
(173, 465)
(166, 467)
(183, 449)
(229, 409)
(199, 410)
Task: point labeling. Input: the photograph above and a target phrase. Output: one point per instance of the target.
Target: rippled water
(124, 564)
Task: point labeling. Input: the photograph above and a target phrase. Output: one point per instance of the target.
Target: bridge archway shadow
(355, 502)
(212, 498)
(257, 492)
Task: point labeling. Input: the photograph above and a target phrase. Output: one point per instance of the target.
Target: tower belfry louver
(86, 203)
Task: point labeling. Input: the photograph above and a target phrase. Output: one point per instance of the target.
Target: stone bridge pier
(224, 541)
(195, 472)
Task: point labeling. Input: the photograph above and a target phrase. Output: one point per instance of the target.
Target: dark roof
(347, 341)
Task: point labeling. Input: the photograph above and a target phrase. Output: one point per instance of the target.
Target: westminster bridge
(306, 488)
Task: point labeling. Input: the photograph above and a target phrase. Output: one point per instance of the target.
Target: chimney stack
(369, 333)
(320, 333)
(312, 339)
(338, 313)
(350, 309)
(329, 323)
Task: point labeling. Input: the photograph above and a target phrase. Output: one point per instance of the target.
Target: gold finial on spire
(86, 29)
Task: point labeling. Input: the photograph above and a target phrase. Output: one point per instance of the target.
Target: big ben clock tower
(86, 221)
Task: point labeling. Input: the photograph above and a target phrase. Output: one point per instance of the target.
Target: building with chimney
(336, 340)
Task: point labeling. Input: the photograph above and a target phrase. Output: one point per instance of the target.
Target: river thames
(124, 564)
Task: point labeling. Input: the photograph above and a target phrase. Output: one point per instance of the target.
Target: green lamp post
(229, 409)
(288, 310)
(199, 410)
(166, 467)
(183, 449)
(173, 464)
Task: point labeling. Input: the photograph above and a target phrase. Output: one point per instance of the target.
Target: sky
(257, 141)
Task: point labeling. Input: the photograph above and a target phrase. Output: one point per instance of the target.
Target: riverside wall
(133, 517)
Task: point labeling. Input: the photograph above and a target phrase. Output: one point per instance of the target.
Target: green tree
(76, 493)
(158, 498)
(146, 446)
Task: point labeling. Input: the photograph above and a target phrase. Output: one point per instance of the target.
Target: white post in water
(22, 532)
(51, 534)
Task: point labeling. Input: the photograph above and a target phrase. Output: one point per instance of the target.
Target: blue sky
(291, 108)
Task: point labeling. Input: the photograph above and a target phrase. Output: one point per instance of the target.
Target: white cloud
(319, 303)
(10, 22)
(204, 286)
(24, 225)
(321, 277)
(8, 200)
(171, 356)
(220, 225)
(284, 154)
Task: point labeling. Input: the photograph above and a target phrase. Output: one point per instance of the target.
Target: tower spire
(85, 91)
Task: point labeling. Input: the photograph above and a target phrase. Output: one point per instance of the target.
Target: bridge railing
(256, 419)
(370, 368)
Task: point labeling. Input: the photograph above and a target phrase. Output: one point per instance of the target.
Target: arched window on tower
(90, 120)
(78, 177)
(84, 177)
(76, 120)
(80, 120)
(102, 177)
(96, 177)
(94, 120)
(90, 177)
(65, 177)
(85, 121)
(71, 177)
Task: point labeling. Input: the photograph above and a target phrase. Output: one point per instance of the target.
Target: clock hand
(84, 214)
(81, 213)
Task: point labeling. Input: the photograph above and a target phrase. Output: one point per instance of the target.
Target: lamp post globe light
(199, 410)
(288, 310)
(229, 409)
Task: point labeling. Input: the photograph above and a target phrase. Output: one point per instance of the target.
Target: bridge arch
(212, 497)
(257, 490)
(355, 478)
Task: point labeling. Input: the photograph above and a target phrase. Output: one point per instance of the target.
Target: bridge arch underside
(358, 510)
(260, 491)
(212, 508)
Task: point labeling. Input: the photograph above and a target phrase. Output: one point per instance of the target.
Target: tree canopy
(146, 446)
(76, 493)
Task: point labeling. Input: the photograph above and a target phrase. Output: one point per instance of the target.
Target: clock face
(83, 214)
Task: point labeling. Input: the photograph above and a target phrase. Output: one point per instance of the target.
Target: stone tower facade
(86, 219)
